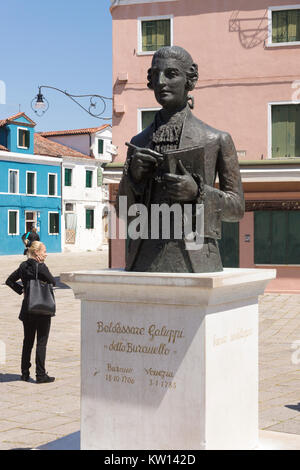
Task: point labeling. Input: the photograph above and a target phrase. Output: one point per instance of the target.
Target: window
(30, 221)
(13, 222)
(30, 183)
(13, 181)
(69, 207)
(276, 237)
(285, 25)
(146, 117)
(52, 186)
(100, 146)
(88, 179)
(53, 223)
(23, 138)
(89, 218)
(285, 130)
(68, 176)
(154, 33)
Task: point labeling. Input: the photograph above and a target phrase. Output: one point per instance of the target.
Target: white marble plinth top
(227, 277)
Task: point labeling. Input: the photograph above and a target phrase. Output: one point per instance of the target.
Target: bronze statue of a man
(149, 181)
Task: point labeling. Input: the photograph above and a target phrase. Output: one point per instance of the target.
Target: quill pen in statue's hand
(159, 157)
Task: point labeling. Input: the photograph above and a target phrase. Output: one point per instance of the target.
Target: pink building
(248, 56)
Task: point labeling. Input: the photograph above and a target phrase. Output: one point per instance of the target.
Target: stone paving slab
(33, 415)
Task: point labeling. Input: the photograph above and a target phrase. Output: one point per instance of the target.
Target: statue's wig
(180, 54)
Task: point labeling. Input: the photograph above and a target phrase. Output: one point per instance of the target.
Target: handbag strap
(36, 271)
(27, 235)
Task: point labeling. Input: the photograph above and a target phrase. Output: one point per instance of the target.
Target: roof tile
(88, 130)
(43, 146)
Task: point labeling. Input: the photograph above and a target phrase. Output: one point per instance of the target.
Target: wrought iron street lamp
(40, 104)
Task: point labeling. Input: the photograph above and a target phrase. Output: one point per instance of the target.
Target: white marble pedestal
(169, 361)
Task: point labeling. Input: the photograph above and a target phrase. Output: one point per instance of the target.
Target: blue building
(30, 188)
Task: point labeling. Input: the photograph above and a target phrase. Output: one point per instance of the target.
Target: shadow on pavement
(10, 377)
(69, 442)
(293, 407)
(13, 378)
(60, 285)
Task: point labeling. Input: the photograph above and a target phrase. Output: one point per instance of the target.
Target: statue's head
(172, 72)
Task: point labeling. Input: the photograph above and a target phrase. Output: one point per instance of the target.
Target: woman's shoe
(44, 379)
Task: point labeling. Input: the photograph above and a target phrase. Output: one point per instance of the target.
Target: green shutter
(286, 130)
(68, 176)
(262, 237)
(293, 238)
(100, 146)
(51, 185)
(89, 218)
(88, 178)
(278, 236)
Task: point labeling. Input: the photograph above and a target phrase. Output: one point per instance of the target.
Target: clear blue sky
(62, 43)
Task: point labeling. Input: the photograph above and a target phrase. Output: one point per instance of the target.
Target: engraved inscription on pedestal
(124, 344)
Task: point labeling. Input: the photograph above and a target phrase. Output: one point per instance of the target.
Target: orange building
(249, 85)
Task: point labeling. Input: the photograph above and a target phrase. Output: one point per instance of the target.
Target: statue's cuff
(200, 194)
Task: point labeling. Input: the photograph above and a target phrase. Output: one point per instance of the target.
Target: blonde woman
(34, 325)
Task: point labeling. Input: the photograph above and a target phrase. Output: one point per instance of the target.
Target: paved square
(35, 414)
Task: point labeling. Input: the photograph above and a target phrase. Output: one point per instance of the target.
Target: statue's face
(169, 83)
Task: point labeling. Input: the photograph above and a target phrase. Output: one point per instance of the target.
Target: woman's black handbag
(40, 297)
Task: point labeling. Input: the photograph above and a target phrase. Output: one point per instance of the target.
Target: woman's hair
(180, 54)
(34, 248)
(34, 229)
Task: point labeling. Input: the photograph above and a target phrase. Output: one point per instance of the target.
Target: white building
(83, 196)
(92, 141)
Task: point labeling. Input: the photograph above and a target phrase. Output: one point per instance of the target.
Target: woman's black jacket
(25, 272)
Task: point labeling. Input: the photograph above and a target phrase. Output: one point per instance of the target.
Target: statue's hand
(181, 187)
(143, 163)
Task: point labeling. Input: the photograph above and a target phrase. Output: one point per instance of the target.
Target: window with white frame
(13, 222)
(53, 223)
(13, 181)
(30, 182)
(154, 33)
(23, 138)
(285, 130)
(52, 184)
(30, 220)
(284, 25)
(146, 117)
